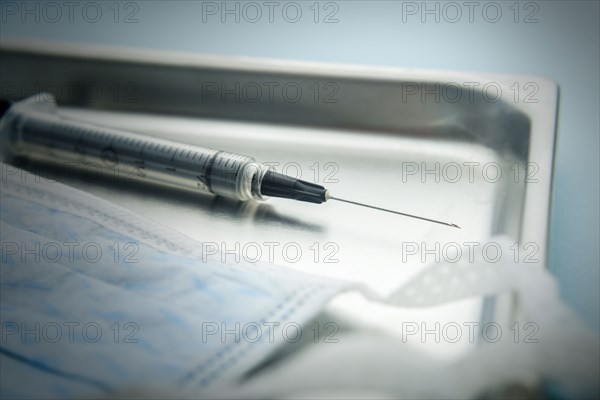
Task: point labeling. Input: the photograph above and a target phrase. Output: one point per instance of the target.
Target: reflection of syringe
(33, 128)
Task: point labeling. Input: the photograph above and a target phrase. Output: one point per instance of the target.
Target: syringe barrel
(34, 129)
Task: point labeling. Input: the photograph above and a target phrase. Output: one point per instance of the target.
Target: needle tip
(328, 196)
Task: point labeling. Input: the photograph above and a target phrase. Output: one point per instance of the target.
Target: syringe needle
(396, 212)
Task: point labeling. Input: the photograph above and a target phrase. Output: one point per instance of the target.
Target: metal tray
(361, 131)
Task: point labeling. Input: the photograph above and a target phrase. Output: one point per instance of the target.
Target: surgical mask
(96, 299)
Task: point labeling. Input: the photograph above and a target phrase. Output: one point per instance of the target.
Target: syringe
(35, 129)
